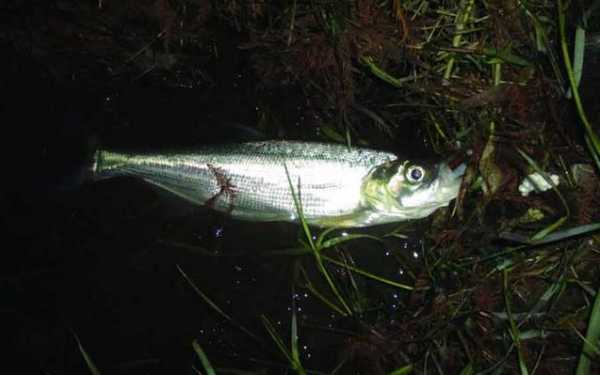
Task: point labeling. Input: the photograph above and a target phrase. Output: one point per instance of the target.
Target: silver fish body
(336, 186)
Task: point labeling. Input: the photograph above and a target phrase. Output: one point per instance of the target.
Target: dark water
(101, 260)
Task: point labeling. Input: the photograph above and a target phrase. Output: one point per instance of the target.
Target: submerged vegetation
(500, 283)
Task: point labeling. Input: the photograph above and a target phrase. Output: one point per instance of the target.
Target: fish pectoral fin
(359, 218)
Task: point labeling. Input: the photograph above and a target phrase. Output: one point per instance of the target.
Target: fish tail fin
(94, 166)
(81, 166)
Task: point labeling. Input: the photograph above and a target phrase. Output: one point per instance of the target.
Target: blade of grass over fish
(513, 329)
(594, 140)
(316, 251)
(367, 274)
(203, 358)
(592, 338)
(293, 358)
(298, 206)
(86, 357)
(215, 307)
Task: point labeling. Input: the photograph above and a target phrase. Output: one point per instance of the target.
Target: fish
(328, 185)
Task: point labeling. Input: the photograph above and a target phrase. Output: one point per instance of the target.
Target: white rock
(535, 182)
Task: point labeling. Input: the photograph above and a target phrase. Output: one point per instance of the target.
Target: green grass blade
(299, 210)
(320, 296)
(556, 236)
(595, 156)
(203, 358)
(408, 369)
(316, 251)
(292, 356)
(513, 329)
(214, 306)
(323, 236)
(383, 75)
(86, 357)
(592, 338)
(595, 349)
(506, 55)
(549, 229)
(367, 274)
(468, 370)
(578, 56)
(345, 238)
(594, 140)
(276, 338)
(204, 297)
(461, 20)
(294, 338)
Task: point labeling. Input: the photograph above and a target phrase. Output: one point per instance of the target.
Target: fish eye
(415, 174)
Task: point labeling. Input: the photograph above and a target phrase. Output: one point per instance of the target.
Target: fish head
(403, 190)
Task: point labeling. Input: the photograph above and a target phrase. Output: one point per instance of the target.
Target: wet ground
(101, 261)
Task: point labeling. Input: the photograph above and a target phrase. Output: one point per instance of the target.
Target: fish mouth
(450, 178)
(456, 172)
